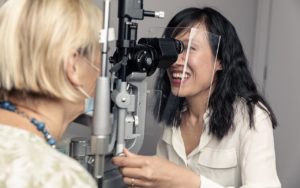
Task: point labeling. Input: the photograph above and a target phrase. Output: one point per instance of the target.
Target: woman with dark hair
(219, 129)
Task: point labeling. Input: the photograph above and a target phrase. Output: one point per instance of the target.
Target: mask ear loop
(88, 61)
(84, 92)
(95, 67)
(213, 73)
(92, 65)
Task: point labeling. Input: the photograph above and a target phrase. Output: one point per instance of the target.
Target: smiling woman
(218, 129)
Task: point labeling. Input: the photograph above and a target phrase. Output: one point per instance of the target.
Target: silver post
(101, 127)
(105, 33)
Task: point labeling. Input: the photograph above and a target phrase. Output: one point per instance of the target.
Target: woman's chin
(177, 92)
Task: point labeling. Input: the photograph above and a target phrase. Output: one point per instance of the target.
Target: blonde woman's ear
(72, 69)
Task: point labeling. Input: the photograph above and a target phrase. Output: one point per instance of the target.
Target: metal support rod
(101, 128)
(105, 36)
(122, 111)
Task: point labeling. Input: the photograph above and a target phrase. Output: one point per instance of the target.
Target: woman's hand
(152, 171)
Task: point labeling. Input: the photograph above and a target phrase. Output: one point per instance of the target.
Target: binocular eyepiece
(151, 53)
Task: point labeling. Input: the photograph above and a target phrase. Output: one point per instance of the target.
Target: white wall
(281, 81)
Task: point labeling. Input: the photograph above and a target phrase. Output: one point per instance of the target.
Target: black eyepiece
(179, 46)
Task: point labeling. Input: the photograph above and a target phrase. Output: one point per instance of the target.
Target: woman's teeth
(180, 76)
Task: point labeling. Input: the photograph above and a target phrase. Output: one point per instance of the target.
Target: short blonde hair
(37, 36)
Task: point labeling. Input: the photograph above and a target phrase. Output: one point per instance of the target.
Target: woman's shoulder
(241, 114)
(69, 171)
(241, 107)
(25, 157)
(63, 170)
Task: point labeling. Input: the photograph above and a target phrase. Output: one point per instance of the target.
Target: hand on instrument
(152, 171)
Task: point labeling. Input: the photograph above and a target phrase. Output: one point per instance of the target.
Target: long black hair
(232, 82)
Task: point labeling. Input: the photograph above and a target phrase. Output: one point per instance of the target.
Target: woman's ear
(72, 69)
(219, 65)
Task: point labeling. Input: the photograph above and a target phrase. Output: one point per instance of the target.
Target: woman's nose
(181, 58)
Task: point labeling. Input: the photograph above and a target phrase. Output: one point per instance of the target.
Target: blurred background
(269, 31)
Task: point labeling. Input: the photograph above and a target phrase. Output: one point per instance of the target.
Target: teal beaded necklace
(40, 126)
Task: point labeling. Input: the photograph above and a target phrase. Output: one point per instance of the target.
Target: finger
(137, 173)
(132, 182)
(129, 154)
(131, 162)
(126, 153)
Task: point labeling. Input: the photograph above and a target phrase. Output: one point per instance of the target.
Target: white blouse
(244, 158)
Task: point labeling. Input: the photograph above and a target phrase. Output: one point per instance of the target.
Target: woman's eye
(190, 48)
(193, 48)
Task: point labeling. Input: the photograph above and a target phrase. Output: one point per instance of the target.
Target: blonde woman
(49, 61)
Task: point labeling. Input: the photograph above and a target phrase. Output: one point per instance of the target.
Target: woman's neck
(197, 105)
(52, 113)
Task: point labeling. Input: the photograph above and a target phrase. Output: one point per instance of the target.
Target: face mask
(88, 103)
(89, 106)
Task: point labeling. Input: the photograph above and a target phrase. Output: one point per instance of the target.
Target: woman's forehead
(194, 37)
(186, 32)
